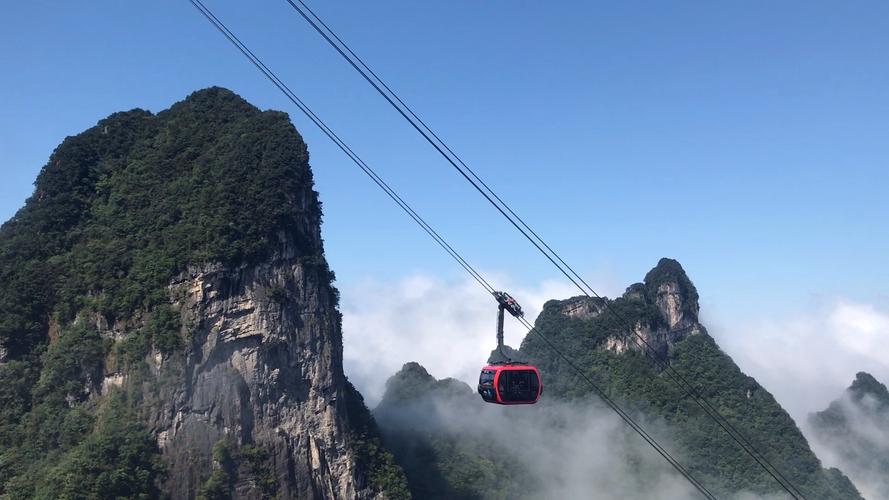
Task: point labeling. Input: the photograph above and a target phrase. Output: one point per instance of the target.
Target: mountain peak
(414, 369)
(214, 93)
(217, 106)
(855, 430)
(666, 270)
(413, 383)
(866, 385)
(153, 226)
(673, 292)
(410, 382)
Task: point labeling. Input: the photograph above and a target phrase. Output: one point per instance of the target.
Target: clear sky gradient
(749, 141)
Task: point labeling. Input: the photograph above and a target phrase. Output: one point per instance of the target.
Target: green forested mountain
(664, 310)
(122, 207)
(451, 445)
(445, 456)
(855, 430)
(99, 352)
(168, 327)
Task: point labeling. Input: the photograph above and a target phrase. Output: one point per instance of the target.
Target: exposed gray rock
(675, 298)
(658, 340)
(261, 371)
(583, 307)
(666, 290)
(262, 366)
(669, 302)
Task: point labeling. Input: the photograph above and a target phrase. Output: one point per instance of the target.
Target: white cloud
(862, 329)
(858, 453)
(807, 359)
(578, 450)
(447, 327)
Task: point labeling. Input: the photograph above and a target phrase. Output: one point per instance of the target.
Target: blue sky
(746, 140)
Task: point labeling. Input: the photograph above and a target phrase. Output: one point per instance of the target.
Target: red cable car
(509, 382)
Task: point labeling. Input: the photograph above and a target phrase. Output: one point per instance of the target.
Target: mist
(807, 358)
(565, 450)
(448, 327)
(862, 452)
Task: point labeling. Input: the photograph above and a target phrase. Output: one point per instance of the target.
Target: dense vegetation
(56, 442)
(231, 462)
(440, 460)
(117, 212)
(633, 379)
(376, 461)
(122, 207)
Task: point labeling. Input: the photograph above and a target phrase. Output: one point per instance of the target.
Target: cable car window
(486, 377)
(517, 385)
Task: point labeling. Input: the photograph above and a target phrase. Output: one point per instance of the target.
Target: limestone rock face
(182, 253)
(666, 291)
(263, 366)
(669, 302)
(658, 340)
(673, 293)
(583, 308)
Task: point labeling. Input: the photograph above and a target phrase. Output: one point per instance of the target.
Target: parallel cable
(620, 411)
(203, 9)
(268, 73)
(406, 112)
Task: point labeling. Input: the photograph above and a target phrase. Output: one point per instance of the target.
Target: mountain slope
(664, 311)
(168, 323)
(854, 429)
(452, 445)
(431, 445)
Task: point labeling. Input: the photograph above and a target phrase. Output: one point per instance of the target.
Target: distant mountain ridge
(663, 310)
(855, 430)
(453, 446)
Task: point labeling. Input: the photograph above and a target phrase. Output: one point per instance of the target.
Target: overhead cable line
(339, 142)
(445, 151)
(268, 73)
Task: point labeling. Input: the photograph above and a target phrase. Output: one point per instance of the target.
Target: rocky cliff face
(663, 310)
(673, 303)
(567, 446)
(264, 368)
(184, 250)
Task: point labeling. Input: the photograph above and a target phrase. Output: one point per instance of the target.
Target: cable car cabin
(510, 384)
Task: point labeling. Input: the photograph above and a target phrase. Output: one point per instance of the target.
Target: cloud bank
(448, 327)
(558, 450)
(807, 359)
(861, 447)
